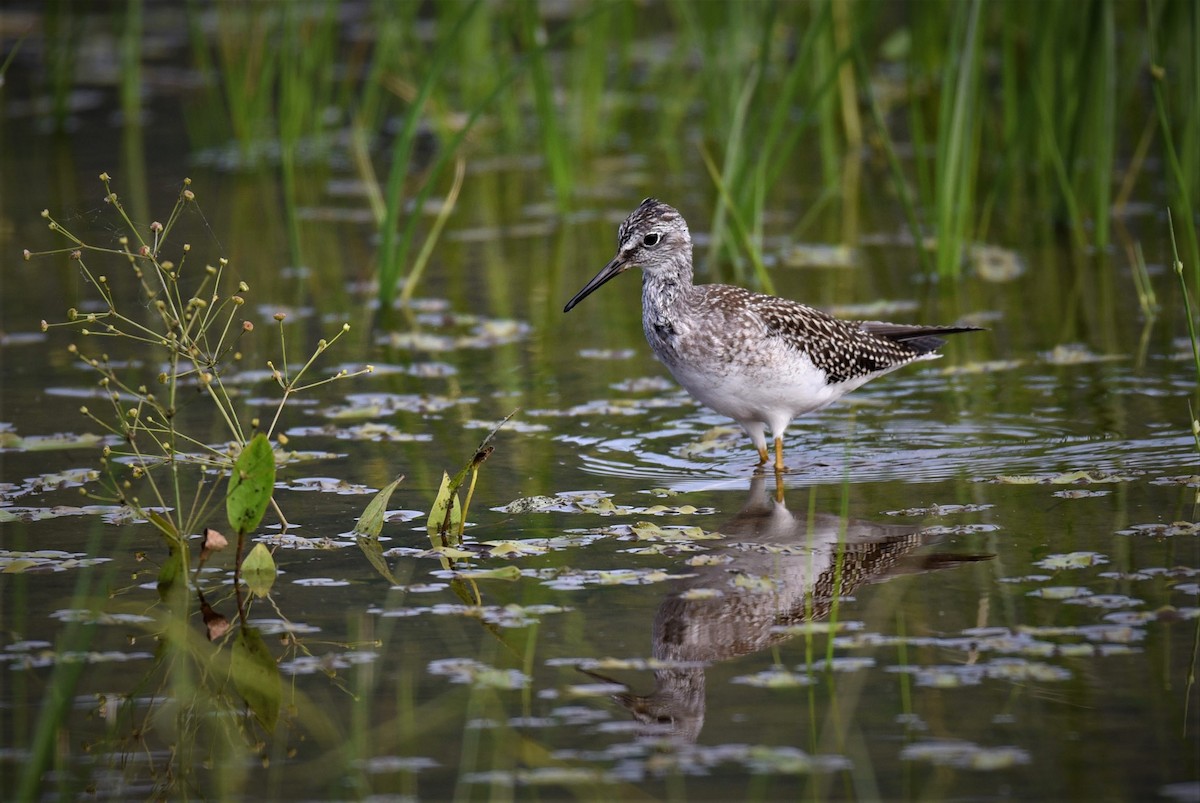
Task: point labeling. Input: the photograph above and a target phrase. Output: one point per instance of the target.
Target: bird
(758, 359)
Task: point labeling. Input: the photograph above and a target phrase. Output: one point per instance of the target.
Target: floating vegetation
(815, 628)
(985, 367)
(775, 677)
(478, 675)
(1071, 560)
(649, 531)
(1066, 478)
(597, 502)
(43, 659)
(539, 776)
(717, 439)
(607, 354)
(1016, 670)
(1190, 480)
(380, 765)
(482, 334)
(645, 384)
(706, 560)
(965, 755)
(375, 432)
(1025, 641)
(512, 615)
(1077, 354)
(610, 664)
(513, 549)
(819, 255)
(1060, 592)
(44, 560)
(1080, 493)
(110, 513)
(421, 370)
(567, 579)
(359, 406)
(607, 408)
(1105, 601)
(326, 485)
(1157, 530)
(43, 483)
(995, 264)
(12, 442)
(939, 510)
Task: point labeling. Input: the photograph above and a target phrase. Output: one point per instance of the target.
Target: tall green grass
(1004, 111)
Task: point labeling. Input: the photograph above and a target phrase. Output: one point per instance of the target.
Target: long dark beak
(618, 265)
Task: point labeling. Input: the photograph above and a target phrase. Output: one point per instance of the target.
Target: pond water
(980, 578)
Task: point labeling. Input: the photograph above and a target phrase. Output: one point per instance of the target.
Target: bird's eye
(651, 239)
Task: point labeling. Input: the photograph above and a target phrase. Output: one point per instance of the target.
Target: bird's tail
(921, 339)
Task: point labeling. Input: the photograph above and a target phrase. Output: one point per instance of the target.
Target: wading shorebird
(759, 359)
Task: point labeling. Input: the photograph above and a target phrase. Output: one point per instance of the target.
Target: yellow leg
(779, 487)
(762, 456)
(778, 454)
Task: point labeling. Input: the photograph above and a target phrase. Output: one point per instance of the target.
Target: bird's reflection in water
(783, 570)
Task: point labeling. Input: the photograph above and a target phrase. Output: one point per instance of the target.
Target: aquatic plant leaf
(785, 759)
(1071, 560)
(448, 552)
(531, 504)
(1060, 592)
(172, 577)
(258, 570)
(510, 549)
(370, 523)
(1106, 601)
(370, 431)
(1065, 478)
(502, 573)
(986, 367)
(164, 526)
(41, 443)
(373, 551)
(956, 753)
(327, 485)
(477, 674)
(256, 676)
(446, 514)
(1076, 354)
(774, 678)
(1160, 530)
(251, 485)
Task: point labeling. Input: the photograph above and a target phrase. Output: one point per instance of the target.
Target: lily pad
(478, 675)
(965, 755)
(11, 442)
(1071, 560)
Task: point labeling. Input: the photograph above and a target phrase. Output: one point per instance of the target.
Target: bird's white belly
(767, 392)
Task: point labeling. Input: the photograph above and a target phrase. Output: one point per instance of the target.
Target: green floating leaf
(251, 485)
(512, 549)
(448, 552)
(503, 573)
(256, 676)
(41, 443)
(370, 523)
(1072, 560)
(258, 570)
